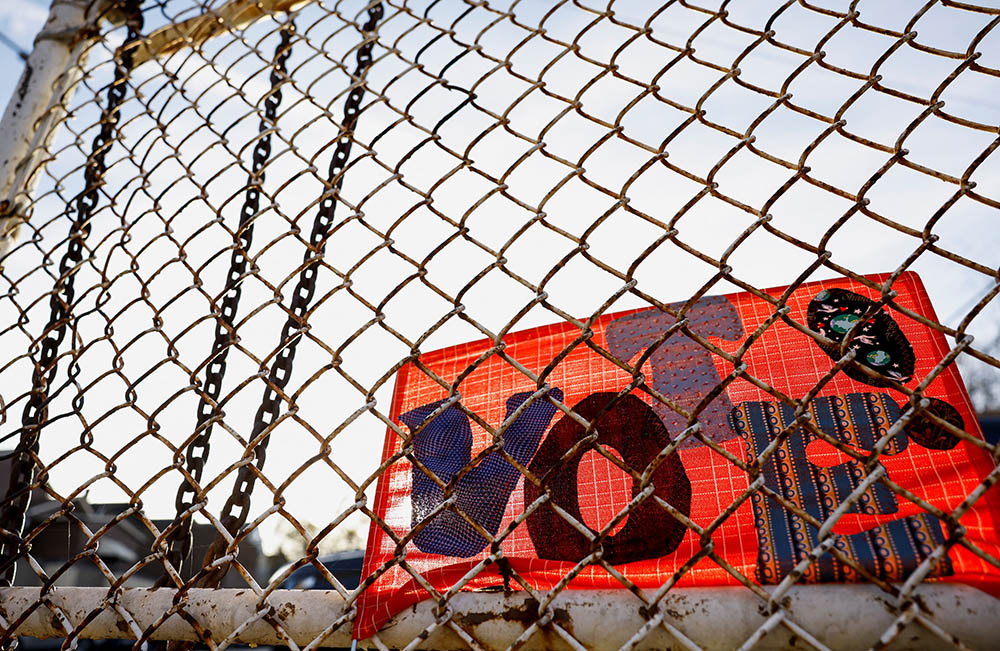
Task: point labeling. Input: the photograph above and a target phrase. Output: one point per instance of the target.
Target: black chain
(23, 467)
(237, 507)
(179, 541)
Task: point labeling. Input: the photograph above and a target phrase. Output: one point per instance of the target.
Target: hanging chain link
(180, 539)
(24, 466)
(237, 508)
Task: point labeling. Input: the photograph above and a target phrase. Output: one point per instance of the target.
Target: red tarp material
(765, 535)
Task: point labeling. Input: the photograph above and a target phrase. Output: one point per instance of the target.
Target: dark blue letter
(444, 446)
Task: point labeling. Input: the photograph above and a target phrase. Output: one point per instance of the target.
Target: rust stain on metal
(22, 88)
(524, 614)
(678, 608)
(122, 625)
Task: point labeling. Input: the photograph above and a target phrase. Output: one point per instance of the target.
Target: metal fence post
(38, 103)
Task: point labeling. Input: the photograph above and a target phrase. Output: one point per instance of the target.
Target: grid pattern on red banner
(784, 361)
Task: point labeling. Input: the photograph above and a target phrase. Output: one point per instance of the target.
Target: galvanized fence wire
(434, 114)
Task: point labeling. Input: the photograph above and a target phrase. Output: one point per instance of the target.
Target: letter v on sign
(444, 446)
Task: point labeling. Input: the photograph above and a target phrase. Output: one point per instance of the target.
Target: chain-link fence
(229, 229)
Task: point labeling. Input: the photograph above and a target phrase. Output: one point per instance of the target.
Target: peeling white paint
(38, 104)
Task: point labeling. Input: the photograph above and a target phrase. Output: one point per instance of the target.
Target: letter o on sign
(634, 429)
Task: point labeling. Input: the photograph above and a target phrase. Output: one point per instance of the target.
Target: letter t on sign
(682, 369)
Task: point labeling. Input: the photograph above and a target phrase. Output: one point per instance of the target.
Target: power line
(12, 44)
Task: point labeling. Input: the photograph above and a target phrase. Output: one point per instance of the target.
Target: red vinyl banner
(758, 533)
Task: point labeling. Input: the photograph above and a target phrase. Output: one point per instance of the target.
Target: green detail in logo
(843, 322)
(878, 358)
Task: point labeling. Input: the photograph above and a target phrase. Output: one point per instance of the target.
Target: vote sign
(446, 482)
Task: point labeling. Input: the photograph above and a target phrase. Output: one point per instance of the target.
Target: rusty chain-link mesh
(361, 182)
(35, 413)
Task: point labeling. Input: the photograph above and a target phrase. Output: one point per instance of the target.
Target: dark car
(991, 426)
(346, 566)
